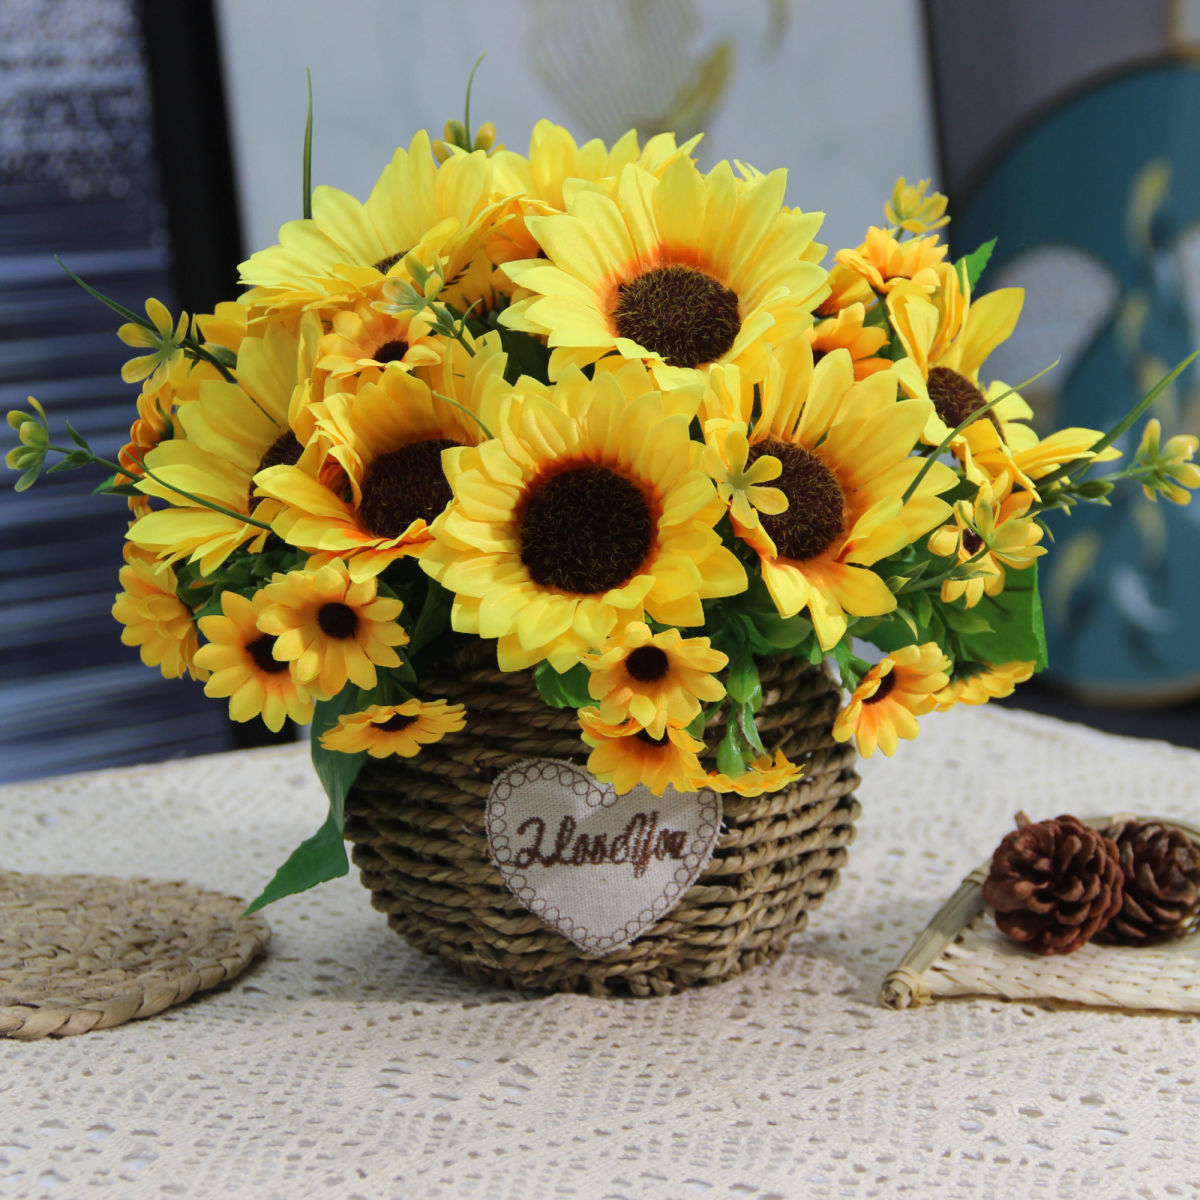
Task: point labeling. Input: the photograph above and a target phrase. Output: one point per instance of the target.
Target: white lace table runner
(345, 1065)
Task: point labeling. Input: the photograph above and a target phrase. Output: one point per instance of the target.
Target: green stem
(212, 504)
(200, 352)
(119, 309)
(306, 184)
(1122, 426)
(467, 106)
(463, 408)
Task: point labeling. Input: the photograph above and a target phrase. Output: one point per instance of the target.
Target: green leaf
(337, 771)
(563, 691)
(731, 754)
(433, 619)
(526, 355)
(315, 860)
(748, 727)
(119, 309)
(742, 682)
(322, 856)
(78, 438)
(965, 620)
(975, 262)
(1016, 632)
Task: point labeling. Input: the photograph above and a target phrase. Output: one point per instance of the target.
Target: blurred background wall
(153, 144)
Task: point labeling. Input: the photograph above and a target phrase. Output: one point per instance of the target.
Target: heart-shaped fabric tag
(598, 867)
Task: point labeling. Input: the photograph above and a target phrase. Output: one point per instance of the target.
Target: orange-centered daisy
(244, 667)
(679, 271)
(400, 729)
(890, 697)
(331, 629)
(654, 677)
(586, 513)
(626, 755)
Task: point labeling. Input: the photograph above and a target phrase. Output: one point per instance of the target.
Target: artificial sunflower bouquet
(620, 427)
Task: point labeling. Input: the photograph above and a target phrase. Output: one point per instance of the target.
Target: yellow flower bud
(486, 137)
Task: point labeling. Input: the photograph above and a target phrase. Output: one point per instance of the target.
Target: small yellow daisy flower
(655, 678)
(995, 522)
(740, 483)
(765, 774)
(626, 755)
(977, 683)
(890, 697)
(401, 729)
(164, 342)
(244, 667)
(1169, 471)
(154, 617)
(331, 629)
(914, 211)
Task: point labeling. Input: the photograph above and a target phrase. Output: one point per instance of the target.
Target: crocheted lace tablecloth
(343, 1064)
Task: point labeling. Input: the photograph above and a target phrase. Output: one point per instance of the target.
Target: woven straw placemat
(962, 953)
(83, 952)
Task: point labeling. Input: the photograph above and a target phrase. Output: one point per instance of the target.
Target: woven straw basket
(421, 845)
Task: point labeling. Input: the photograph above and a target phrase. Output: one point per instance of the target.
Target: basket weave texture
(420, 843)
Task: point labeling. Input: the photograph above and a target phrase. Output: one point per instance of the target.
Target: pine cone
(1161, 865)
(1053, 884)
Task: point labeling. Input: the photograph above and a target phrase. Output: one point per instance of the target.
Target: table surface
(345, 1064)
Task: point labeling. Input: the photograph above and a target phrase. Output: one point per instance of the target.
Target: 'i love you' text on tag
(598, 867)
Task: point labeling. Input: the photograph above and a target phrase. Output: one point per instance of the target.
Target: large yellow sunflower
(244, 667)
(223, 438)
(845, 451)
(401, 729)
(586, 513)
(946, 337)
(154, 618)
(373, 491)
(678, 271)
(626, 755)
(890, 697)
(540, 179)
(331, 629)
(654, 677)
(417, 206)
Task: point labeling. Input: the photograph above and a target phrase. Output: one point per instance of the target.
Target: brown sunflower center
(644, 735)
(584, 530)
(955, 397)
(261, 651)
(337, 620)
(681, 313)
(885, 686)
(384, 265)
(393, 351)
(647, 663)
(404, 486)
(284, 451)
(816, 511)
(398, 722)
